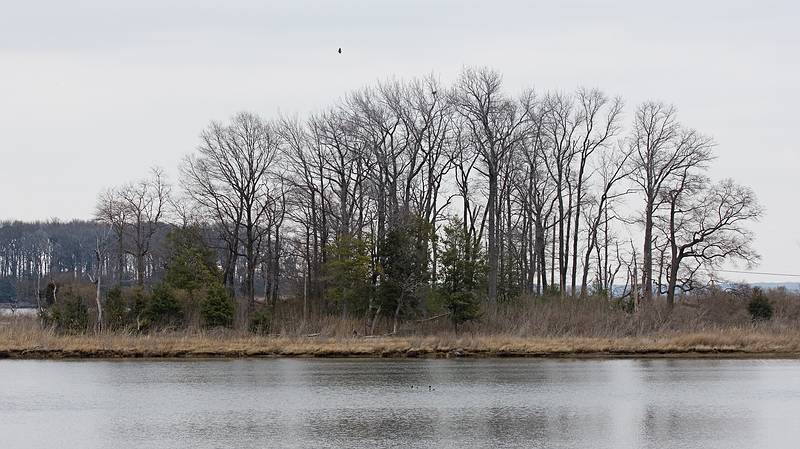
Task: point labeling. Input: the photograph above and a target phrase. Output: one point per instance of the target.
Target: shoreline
(175, 356)
(713, 345)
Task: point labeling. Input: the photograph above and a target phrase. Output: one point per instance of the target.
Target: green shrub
(117, 310)
(216, 309)
(69, 314)
(260, 320)
(463, 307)
(759, 307)
(139, 302)
(463, 274)
(163, 309)
(347, 275)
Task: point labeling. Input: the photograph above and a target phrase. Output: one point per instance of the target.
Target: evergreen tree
(216, 308)
(348, 275)
(117, 310)
(759, 306)
(261, 320)
(191, 265)
(191, 268)
(462, 274)
(163, 309)
(69, 315)
(405, 267)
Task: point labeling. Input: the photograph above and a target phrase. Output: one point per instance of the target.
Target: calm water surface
(371, 403)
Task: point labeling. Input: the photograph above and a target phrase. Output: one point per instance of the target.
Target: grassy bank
(25, 339)
(716, 325)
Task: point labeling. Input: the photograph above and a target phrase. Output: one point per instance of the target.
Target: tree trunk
(98, 302)
(397, 312)
(672, 283)
(492, 269)
(540, 254)
(140, 269)
(375, 319)
(647, 253)
(578, 194)
(120, 259)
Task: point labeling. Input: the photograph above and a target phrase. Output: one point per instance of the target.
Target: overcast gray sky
(92, 93)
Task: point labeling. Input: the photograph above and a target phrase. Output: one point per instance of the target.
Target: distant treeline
(30, 252)
(413, 198)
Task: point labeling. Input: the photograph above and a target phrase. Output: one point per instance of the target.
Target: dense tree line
(410, 198)
(31, 254)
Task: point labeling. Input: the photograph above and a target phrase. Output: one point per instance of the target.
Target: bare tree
(101, 245)
(705, 224)
(207, 180)
(537, 191)
(536, 179)
(112, 211)
(464, 157)
(600, 118)
(494, 122)
(562, 124)
(306, 200)
(342, 158)
(230, 179)
(144, 203)
(613, 169)
(661, 149)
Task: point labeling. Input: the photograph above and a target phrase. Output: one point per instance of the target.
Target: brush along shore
(31, 343)
(712, 326)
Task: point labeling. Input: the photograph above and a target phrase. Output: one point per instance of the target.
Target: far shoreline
(105, 356)
(719, 344)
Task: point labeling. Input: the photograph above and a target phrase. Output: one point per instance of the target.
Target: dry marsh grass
(25, 339)
(717, 326)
